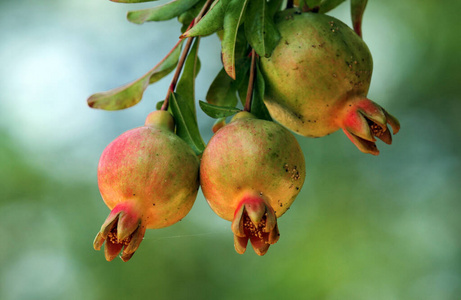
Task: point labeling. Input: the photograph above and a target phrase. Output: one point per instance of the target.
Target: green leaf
(260, 29)
(167, 66)
(162, 12)
(189, 15)
(216, 111)
(242, 71)
(186, 84)
(327, 5)
(258, 108)
(243, 89)
(242, 78)
(241, 46)
(242, 65)
(182, 103)
(211, 22)
(232, 20)
(222, 92)
(186, 123)
(357, 9)
(130, 94)
(132, 1)
(274, 6)
(159, 105)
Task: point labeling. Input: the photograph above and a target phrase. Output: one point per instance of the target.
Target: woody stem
(249, 96)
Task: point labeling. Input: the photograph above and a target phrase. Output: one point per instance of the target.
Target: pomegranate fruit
(148, 177)
(251, 172)
(317, 80)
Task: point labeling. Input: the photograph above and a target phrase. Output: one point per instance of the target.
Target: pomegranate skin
(148, 177)
(252, 170)
(319, 70)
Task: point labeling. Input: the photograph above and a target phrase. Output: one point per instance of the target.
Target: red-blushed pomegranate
(251, 172)
(148, 177)
(317, 80)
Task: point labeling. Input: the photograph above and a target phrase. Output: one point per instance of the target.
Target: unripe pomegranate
(251, 172)
(317, 80)
(148, 177)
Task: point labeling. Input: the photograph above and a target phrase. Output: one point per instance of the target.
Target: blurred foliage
(363, 227)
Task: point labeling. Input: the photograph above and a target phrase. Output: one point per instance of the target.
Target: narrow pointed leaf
(232, 20)
(131, 93)
(159, 105)
(211, 22)
(327, 5)
(222, 91)
(242, 48)
(167, 66)
(189, 15)
(243, 76)
(260, 29)
(258, 108)
(274, 6)
(242, 71)
(186, 123)
(186, 84)
(243, 88)
(182, 103)
(216, 111)
(357, 9)
(162, 12)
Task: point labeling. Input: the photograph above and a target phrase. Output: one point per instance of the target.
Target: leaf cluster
(242, 26)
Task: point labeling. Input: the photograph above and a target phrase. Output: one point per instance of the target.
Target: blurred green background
(363, 227)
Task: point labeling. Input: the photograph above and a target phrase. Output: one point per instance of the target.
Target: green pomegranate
(317, 80)
(251, 172)
(148, 177)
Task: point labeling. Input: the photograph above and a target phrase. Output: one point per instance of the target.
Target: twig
(250, 82)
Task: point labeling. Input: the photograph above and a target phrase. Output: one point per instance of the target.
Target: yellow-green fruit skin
(251, 157)
(319, 64)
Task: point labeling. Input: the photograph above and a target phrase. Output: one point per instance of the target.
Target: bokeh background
(363, 227)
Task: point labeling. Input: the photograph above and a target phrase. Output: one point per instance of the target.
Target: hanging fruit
(283, 63)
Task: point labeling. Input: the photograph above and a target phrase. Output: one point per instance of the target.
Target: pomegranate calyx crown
(364, 120)
(123, 229)
(255, 220)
